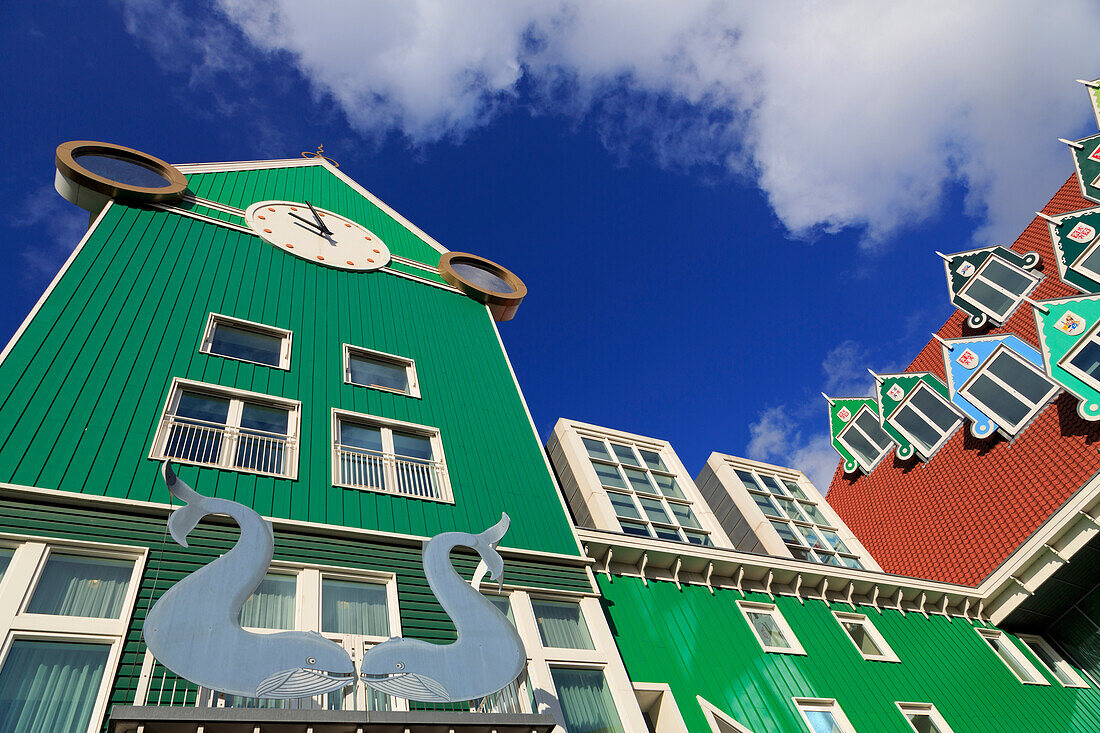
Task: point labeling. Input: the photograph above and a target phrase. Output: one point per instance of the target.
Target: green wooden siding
(83, 389)
(321, 188)
(700, 644)
(421, 615)
(212, 213)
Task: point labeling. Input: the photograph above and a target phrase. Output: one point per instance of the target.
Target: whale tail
(485, 544)
(184, 519)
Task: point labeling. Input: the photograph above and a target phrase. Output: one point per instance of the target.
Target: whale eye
(400, 665)
(311, 660)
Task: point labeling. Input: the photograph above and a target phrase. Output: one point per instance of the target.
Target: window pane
(923, 723)
(5, 560)
(240, 343)
(747, 480)
(800, 553)
(667, 533)
(201, 407)
(684, 515)
(822, 721)
(412, 445)
(851, 562)
(49, 686)
(935, 408)
(869, 424)
(371, 372)
(1092, 262)
(501, 603)
(1088, 358)
(561, 624)
(811, 538)
(635, 528)
(864, 450)
(586, 701)
(834, 540)
(1006, 407)
(813, 513)
(766, 505)
(624, 505)
(1054, 663)
(698, 538)
(1021, 378)
(827, 558)
(789, 507)
(795, 490)
(668, 486)
(786, 533)
(257, 447)
(638, 481)
(653, 460)
(625, 454)
(917, 427)
(264, 418)
(596, 449)
(1005, 275)
(360, 436)
(655, 510)
(1007, 652)
(609, 475)
(771, 484)
(767, 630)
(863, 640)
(72, 585)
(989, 297)
(348, 607)
(271, 606)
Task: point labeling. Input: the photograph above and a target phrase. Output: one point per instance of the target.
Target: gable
(963, 357)
(1061, 328)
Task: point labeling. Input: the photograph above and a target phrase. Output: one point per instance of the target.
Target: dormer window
(1089, 261)
(1009, 389)
(1083, 360)
(997, 287)
(866, 439)
(926, 419)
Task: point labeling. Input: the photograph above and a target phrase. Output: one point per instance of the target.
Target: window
(209, 425)
(719, 721)
(586, 702)
(823, 716)
(64, 616)
(926, 419)
(865, 438)
(647, 500)
(1083, 360)
(393, 457)
(377, 370)
(923, 717)
(866, 637)
(1055, 663)
(242, 340)
(1089, 261)
(997, 287)
(271, 605)
(1012, 657)
(1009, 389)
(770, 628)
(797, 519)
(561, 624)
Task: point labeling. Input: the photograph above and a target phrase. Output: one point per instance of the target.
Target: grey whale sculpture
(488, 653)
(194, 629)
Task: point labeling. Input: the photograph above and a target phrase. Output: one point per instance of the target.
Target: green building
(292, 344)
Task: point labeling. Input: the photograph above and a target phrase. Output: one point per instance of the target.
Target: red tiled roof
(958, 516)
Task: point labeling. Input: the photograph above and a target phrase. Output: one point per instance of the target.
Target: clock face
(317, 235)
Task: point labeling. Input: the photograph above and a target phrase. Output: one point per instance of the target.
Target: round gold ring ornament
(484, 281)
(89, 172)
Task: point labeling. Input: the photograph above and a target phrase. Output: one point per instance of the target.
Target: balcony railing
(214, 444)
(367, 469)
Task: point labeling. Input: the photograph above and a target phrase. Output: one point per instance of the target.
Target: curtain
(271, 606)
(72, 585)
(354, 608)
(585, 701)
(561, 625)
(50, 686)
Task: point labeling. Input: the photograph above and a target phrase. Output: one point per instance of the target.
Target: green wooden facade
(700, 645)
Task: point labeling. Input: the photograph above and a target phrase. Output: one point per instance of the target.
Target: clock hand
(320, 224)
(310, 223)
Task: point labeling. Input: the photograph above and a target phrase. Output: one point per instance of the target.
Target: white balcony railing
(214, 444)
(366, 469)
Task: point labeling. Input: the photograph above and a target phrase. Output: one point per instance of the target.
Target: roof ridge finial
(321, 155)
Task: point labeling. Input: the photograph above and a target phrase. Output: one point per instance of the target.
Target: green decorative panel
(700, 645)
(1087, 160)
(841, 413)
(1062, 328)
(85, 385)
(960, 268)
(893, 389)
(1072, 236)
(322, 188)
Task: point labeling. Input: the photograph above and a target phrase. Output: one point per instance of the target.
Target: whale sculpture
(488, 653)
(194, 629)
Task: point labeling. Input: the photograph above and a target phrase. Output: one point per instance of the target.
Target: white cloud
(777, 437)
(845, 368)
(846, 114)
(46, 213)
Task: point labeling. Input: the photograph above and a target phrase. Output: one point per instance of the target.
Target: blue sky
(719, 211)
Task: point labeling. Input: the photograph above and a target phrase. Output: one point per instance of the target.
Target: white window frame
(17, 587)
(944, 435)
(923, 708)
(713, 715)
(1066, 362)
(1031, 641)
(772, 610)
(1016, 298)
(852, 426)
(989, 636)
(237, 399)
(1078, 264)
(828, 705)
(1036, 407)
(387, 426)
(216, 319)
(843, 617)
(401, 361)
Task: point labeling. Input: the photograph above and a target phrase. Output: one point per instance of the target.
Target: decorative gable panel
(962, 357)
(1067, 333)
(893, 391)
(842, 413)
(1086, 158)
(962, 268)
(1076, 243)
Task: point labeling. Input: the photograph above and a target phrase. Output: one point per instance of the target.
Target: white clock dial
(318, 235)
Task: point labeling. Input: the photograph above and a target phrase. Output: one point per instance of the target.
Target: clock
(317, 235)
